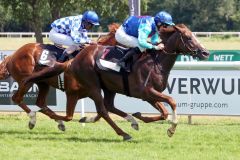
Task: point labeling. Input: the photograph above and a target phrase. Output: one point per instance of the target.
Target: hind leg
(102, 111)
(109, 103)
(18, 97)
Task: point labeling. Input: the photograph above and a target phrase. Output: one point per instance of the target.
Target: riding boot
(47, 72)
(129, 54)
(67, 53)
(63, 57)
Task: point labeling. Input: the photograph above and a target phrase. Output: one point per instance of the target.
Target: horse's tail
(4, 74)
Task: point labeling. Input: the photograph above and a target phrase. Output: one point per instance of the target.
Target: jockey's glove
(160, 46)
(157, 48)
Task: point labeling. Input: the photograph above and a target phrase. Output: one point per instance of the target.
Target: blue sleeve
(155, 38)
(143, 32)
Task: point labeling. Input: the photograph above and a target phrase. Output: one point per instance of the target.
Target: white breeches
(61, 39)
(123, 38)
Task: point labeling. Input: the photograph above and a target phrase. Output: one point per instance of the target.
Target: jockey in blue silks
(135, 31)
(72, 31)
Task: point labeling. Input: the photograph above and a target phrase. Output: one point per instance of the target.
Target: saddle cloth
(50, 54)
(107, 59)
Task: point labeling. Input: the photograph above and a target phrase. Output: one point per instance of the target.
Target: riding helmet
(91, 17)
(163, 18)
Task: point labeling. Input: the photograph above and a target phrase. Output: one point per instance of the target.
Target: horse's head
(109, 39)
(180, 39)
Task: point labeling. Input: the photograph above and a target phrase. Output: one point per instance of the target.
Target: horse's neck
(167, 62)
(163, 62)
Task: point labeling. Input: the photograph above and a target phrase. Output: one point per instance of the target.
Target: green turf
(217, 43)
(207, 139)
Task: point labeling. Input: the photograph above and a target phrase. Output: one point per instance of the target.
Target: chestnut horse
(179, 40)
(24, 62)
(147, 80)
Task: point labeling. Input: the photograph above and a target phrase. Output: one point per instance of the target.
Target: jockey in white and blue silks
(135, 31)
(72, 31)
(68, 31)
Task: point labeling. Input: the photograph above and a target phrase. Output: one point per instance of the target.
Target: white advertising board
(209, 91)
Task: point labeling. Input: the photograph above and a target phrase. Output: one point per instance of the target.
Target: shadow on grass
(76, 139)
(11, 132)
(56, 136)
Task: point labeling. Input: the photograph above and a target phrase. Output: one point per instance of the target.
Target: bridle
(193, 52)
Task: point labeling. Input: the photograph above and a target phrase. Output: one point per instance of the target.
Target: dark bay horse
(155, 65)
(24, 62)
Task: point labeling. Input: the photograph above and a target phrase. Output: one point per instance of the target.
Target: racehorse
(147, 80)
(176, 43)
(24, 62)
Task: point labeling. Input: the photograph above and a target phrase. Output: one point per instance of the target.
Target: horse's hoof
(31, 125)
(127, 138)
(170, 132)
(137, 114)
(83, 120)
(135, 126)
(61, 127)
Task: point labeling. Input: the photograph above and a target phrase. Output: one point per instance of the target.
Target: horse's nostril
(205, 53)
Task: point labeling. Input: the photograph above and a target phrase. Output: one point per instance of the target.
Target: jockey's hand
(160, 46)
(81, 46)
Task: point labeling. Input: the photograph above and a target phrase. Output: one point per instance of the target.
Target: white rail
(201, 65)
(97, 34)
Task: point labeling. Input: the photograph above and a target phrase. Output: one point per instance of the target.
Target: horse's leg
(109, 103)
(72, 98)
(160, 107)
(44, 73)
(160, 97)
(102, 111)
(18, 98)
(90, 119)
(41, 102)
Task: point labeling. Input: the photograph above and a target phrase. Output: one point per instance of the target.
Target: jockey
(135, 31)
(72, 31)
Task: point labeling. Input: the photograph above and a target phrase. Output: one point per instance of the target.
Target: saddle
(51, 53)
(107, 59)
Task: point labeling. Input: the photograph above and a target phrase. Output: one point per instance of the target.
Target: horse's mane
(113, 27)
(110, 37)
(165, 33)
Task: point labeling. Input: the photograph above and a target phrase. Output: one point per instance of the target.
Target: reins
(156, 61)
(194, 52)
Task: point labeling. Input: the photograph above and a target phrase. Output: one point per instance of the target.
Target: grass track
(209, 138)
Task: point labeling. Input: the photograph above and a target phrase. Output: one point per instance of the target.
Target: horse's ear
(180, 27)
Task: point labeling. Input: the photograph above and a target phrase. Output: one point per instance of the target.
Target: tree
(30, 12)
